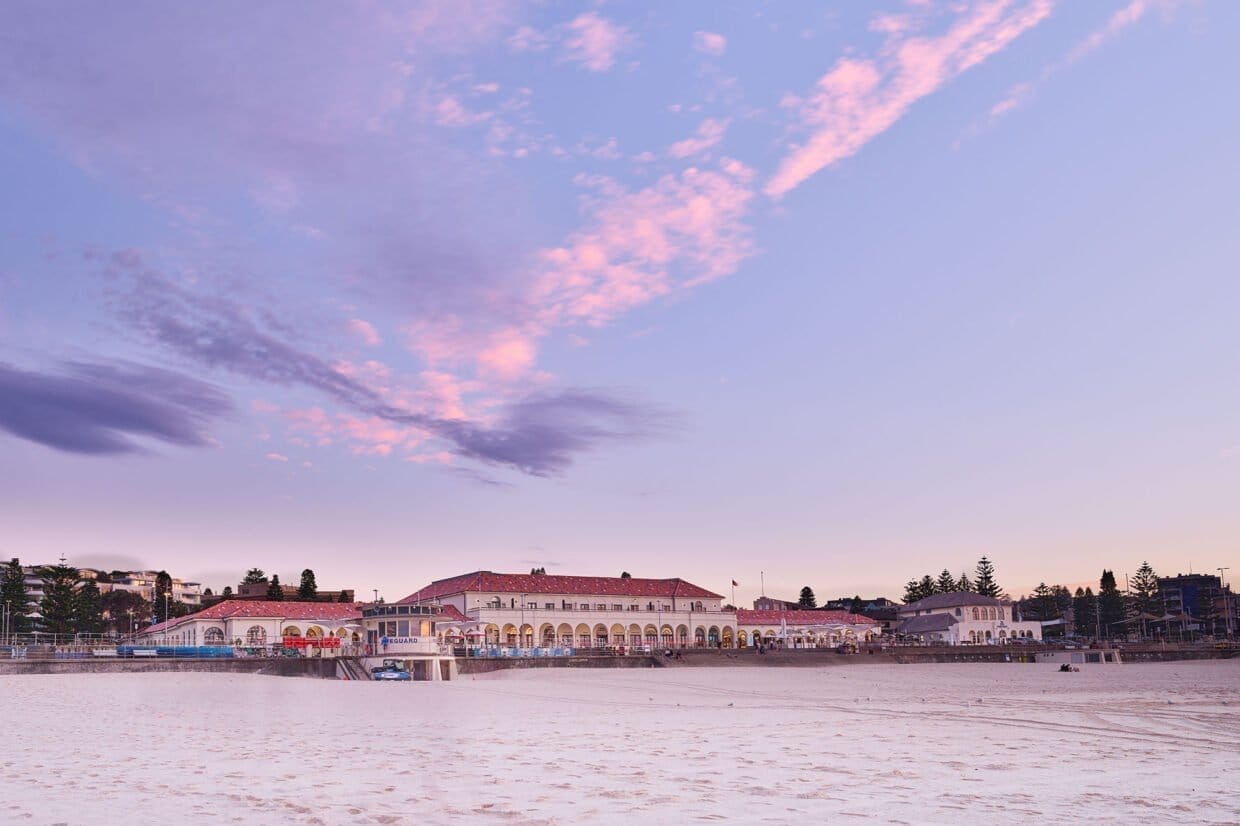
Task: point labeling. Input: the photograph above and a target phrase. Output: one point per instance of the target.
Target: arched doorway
(651, 636)
(726, 637)
(527, 636)
(712, 636)
(256, 635)
(600, 636)
(565, 634)
(583, 636)
(699, 637)
(682, 636)
(213, 636)
(635, 635)
(509, 635)
(547, 635)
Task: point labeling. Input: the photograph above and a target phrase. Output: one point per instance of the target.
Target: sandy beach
(914, 744)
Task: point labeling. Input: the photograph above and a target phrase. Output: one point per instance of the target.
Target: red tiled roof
(229, 608)
(553, 584)
(772, 618)
(449, 613)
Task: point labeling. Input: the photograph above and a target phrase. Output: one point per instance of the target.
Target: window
(550, 606)
(634, 607)
(600, 606)
(585, 606)
(533, 605)
(617, 607)
(975, 614)
(402, 628)
(957, 612)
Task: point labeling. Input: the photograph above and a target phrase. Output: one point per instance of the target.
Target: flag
(735, 583)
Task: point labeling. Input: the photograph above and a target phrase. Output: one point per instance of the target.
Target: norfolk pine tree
(13, 591)
(308, 590)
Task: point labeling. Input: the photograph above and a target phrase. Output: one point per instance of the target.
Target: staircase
(351, 668)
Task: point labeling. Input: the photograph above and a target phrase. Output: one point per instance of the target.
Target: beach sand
(914, 743)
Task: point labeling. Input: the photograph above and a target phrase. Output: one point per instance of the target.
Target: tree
(344, 596)
(1042, 605)
(625, 575)
(918, 589)
(1084, 617)
(1207, 610)
(208, 593)
(1144, 590)
(1110, 605)
(59, 598)
(13, 592)
(254, 576)
(227, 592)
(274, 592)
(984, 579)
(857, 605)
(964, 584)
(912, 592)
(163, 588)
(88, 609)
(308, 590)
(538, 571)
(807, 599)
(946, 583)
(125, 611)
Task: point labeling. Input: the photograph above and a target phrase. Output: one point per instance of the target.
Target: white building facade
(321, 628)
(964, 619)
(544, 611)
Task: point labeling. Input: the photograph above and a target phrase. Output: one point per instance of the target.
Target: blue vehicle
(391, 673)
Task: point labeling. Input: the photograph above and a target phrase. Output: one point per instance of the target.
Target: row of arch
(604, 636)
(987, 614)
(980, 636)
(601, 635)
(256, 635)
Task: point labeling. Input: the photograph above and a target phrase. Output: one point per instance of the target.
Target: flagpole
(763, 574)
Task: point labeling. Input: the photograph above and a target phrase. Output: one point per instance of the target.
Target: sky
(781, 294)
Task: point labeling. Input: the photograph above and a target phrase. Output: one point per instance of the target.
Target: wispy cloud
(1115, 25)
(710, 43)
(538, 434)
(95, 408)
(860, 98)
(708, 135)
(595, 42)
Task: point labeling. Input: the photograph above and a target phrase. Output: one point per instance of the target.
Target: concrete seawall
(273, 667)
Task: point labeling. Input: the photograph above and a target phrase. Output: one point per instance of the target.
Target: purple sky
(844, 294)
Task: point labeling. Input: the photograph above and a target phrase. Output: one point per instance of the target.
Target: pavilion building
(528, 611)
(804, 628)
(321, 628)
(963, 618)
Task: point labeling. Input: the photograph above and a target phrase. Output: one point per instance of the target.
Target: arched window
(213, 636)
(257, 635)
(974, 613)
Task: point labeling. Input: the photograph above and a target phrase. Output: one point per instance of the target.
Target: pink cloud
(510, 355)
(709, 133)
(709, 43)
(277, 457)
(595, 42)
(366, 332)
(1118, 21)
(684, 230)
(859, 98)
(450, 112)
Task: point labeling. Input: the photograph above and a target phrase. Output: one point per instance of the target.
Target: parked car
(391, 673)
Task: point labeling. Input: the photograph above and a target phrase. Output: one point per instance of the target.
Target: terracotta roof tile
(772, 618)
(230, 608)
(484, 581)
